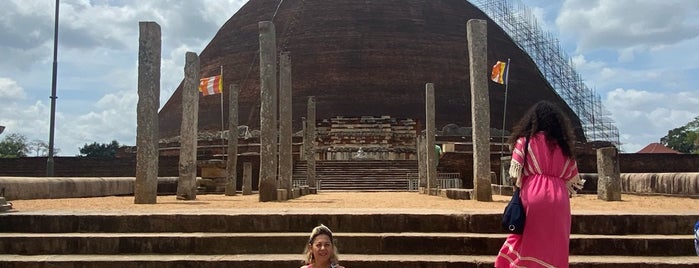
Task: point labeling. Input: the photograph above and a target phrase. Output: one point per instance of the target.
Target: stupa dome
(364, 58)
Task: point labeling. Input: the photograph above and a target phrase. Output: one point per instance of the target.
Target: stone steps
(348, 220)
(293, 260)
(360, 175)
(365, 237)
(352, 243)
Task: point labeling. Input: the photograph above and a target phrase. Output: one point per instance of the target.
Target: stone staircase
(360, 175)
(365, 238)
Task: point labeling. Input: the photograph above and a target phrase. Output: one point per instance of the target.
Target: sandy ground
(354, 200)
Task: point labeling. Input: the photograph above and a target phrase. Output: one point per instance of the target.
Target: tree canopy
(16, 145)
(684, 139)
(13, 146)
(100, 150)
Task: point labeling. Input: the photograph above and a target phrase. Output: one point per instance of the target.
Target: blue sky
(638, 55)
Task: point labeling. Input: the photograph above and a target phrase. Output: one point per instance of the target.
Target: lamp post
(49, 162)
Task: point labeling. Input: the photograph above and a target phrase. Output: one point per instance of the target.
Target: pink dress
(545, 197)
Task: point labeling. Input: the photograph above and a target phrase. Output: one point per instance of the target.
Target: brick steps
(293, 260)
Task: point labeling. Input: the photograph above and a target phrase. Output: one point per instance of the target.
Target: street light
(49, 161)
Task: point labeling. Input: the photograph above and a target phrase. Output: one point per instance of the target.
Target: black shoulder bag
(514, 217)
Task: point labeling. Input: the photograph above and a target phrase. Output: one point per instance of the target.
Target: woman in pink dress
(547, 180)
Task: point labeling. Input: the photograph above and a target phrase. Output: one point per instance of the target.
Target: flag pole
(223, 145)
(504, 112)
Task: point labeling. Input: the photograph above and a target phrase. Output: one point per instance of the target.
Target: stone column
(421, 165)
(304, 146)
(431, 156)
(505, 179)
(187, 181)
(608, 174)
(247, 178)
(268, 112)
(476, 31)
(286, 160)
(149, 46)
(232, 161)
(311, 140)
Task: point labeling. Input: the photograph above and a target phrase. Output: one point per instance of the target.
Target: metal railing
(296, 183)
(445, 180)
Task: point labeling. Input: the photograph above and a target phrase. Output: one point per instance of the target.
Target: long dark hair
(547, 117)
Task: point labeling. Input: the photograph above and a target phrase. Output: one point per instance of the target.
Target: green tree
(39, 148)
(103, 150)
(14, 145)
(684, 139)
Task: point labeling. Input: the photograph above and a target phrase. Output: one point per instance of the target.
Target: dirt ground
(355, 201)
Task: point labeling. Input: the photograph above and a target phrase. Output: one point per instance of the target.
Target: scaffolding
(521, 25)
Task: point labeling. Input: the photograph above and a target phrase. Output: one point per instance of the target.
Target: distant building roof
(657, 148)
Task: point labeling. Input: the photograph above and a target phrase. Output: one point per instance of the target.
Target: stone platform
(403, 230)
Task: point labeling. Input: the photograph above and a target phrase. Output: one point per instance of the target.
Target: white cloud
(644, 116)
(10, 90)
(30, 120)
(623, 24)
(113, 119)
(97, 63)
(580, 62)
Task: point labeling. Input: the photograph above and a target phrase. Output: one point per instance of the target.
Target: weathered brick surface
(365, 58)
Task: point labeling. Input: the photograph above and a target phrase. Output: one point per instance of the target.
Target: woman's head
(548, 118)
(321, 247)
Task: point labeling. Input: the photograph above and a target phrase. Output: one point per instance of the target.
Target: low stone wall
(68, 187)
(661, 183)
(680, 184)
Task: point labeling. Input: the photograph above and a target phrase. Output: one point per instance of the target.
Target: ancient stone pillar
(431, 156)
(286, 160)
(304, 146)
(187, 181)
(311, 140)
(268, 112)
(232, 161)
(247, 178)
(149, 46)
(608, 174)
(476, 31)
(421, 165)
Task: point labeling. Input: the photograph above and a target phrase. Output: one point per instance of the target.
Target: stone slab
(352, 243)
(507, 190)
(282, 195)
(293, 260)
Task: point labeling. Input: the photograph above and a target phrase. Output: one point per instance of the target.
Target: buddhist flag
(499, 74)
(211, 85)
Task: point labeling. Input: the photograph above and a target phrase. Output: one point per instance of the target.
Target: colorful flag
(499, 73)
(211, 85)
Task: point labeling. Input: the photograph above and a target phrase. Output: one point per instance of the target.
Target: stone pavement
(361, 201)
(373, 229)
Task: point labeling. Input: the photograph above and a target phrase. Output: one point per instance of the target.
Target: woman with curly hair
(320, 251)
(546, 181)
